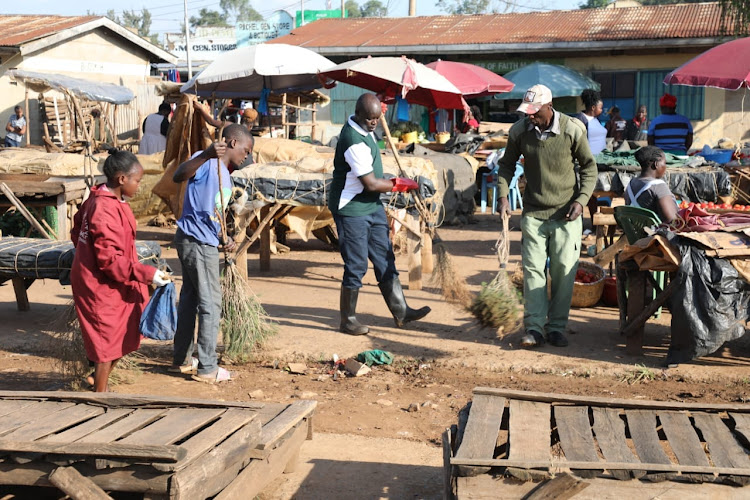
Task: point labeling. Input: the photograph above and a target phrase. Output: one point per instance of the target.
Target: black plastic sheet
(710, 308)
(700, 186)
(34, 258)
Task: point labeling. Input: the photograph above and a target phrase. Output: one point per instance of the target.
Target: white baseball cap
(534, 98)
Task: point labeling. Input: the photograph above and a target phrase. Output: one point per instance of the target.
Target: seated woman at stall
(649, 190)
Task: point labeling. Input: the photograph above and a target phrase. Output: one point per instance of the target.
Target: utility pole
(302, 7)
(412, 8)
(343, 12)
(187, 42)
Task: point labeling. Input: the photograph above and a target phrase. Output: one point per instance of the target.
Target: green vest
(366, 202)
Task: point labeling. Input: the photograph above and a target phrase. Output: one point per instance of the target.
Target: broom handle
(503, 246)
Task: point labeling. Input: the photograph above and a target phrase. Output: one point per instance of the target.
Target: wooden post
(636, 303)
(427, 261)
(140, 126)
(114, 127)
(77, 486)
(314, 128)
(19, 287)
(27, 135)
(414, 245)
(284, 120)
(62, 217)
(265, 244)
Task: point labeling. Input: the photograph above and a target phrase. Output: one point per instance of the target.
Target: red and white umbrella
(726, 66)
(393, 76)
(472, 80)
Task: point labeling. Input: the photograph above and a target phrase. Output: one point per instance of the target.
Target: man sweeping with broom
(553, 202)
(197, 240)
(360, 217)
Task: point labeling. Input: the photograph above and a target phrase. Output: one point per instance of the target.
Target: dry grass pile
(245, 325)
(66, 348)
(498, 304)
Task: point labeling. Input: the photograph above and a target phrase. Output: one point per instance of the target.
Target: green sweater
(549, 168)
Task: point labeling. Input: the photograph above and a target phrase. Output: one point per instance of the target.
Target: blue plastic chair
(489, 185)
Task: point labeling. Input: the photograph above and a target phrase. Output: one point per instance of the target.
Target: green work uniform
(551, 187)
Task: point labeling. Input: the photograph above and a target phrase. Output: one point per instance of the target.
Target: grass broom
(245, 325)
(452, 286)
(497, 305)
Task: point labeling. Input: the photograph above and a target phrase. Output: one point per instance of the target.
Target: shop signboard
(314, 15)
(278, 24)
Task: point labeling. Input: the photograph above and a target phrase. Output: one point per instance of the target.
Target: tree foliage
(459, 7)
(373, 8)
(139, 21)
(352, 9)
(593, 4)
(239, 10)
(208, 17)
(736, 13)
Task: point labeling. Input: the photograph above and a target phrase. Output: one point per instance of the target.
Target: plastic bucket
(409, 137)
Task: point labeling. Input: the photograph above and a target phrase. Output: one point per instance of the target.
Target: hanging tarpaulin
(84, 89)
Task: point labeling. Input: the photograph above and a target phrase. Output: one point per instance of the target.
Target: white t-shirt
(597, 135)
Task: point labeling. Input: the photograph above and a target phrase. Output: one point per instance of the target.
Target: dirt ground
(363, 426)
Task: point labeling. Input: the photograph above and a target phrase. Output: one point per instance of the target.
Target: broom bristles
(445, 277)
(245, 324)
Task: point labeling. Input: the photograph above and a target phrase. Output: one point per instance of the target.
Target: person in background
(616, 125)
(670, 131)
(155, 129)
(16, 128)
(637, 127)
(553, 201)
(109, 283)
(595, 131)
(360, 217)
(249, 115)
(649, 190)
(197, 240)
(471, 125)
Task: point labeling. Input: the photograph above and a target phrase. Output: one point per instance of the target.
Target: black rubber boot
(348, 307)
(394, 297)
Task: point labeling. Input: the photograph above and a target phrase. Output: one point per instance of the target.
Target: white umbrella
(245, 72)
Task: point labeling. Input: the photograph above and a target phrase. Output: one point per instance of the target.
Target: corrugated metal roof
(696, 20)
(15, 30)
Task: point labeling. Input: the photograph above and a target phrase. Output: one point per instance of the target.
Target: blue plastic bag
(159, 319)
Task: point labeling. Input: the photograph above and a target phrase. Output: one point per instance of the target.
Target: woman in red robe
(109, 284)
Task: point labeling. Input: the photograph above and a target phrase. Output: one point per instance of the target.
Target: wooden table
(158, 446)
(532, 436)
(63, 193)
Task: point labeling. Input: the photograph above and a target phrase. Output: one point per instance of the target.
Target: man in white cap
(551, 224)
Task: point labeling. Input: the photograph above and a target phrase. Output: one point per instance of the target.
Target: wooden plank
(742, 426)
(48, 424)
(254, 478)
(642, 426)
(136, 478)
(212, 472)
(133, 421)
(7, 407)
(17, 419)
(610, 434)
(166, 453)
(574, 430)
(286, 420)
(529, 433)
(605, 402)
(113, 399)
(480, 435)
(228, 424)
(176, 423)
(63, 233)
(724, 449)
(86, 428)
(558, 464)
(682, 438)
(447, 468)
(561, 487)
(72, 483)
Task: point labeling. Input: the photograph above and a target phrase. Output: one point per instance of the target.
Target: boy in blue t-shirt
(197, 241)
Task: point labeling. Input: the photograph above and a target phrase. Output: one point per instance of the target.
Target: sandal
(220, 375)
(191, 368)
(88, 382)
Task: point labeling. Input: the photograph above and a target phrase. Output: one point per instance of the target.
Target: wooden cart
(529, 436)
(158, 446)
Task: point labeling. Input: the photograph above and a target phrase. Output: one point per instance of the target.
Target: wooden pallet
(533, 435)
(163, 447)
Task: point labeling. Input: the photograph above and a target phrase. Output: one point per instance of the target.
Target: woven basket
(588, 294)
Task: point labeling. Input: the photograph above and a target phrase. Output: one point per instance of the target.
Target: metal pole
(302, 8)
(187, 42)
(412, 8)
(343, 12)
